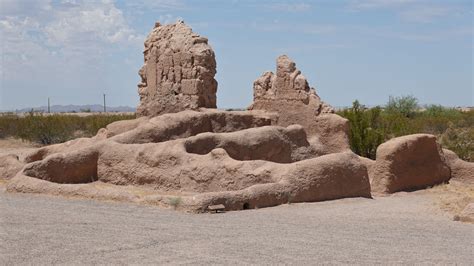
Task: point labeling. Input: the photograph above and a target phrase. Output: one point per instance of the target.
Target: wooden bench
(216, 208)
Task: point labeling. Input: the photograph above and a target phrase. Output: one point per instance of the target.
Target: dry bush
(56, 128)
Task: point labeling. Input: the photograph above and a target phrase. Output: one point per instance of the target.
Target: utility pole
(49, 107)
(105, 109)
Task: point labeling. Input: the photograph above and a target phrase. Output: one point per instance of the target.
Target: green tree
(366, 130)
(404, 105)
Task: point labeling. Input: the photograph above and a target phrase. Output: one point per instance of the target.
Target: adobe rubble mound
(461, 170)
(408, 163)
(178, 73)
(238, 162)
(288, 94)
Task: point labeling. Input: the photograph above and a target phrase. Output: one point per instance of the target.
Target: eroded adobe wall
(178, 73)
(288, 94)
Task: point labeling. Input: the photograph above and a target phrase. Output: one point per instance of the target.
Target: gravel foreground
(404, 228)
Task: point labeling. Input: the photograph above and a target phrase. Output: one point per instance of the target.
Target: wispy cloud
(291, 7)
(308, 48)
(374, 4)
(426, 14)
(308, 28)
(418, 11)
(155, 5)
(413, 35)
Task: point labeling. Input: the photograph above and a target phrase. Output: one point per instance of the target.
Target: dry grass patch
(453, 197)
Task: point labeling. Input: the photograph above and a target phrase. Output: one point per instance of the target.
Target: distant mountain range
(75, 108)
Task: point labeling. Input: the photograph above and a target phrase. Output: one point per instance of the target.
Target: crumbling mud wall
(288, 94)
(178, 73)
(230, 158)
(408, 163)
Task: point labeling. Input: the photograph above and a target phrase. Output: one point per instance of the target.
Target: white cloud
(102, 22)
(68, 32)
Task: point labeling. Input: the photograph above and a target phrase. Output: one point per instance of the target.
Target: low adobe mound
(408, 163)
(288, 95)
(160, 129)
(10, 165)
(232, 162)
(460, 170)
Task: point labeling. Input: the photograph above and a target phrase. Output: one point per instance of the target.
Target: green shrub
(405, 105)
(460, 141)
(366, 131)
(372, 126)
(45, 129)
(8, 124)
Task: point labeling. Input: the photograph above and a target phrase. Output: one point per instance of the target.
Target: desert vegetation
(49, 129)
(402, 116)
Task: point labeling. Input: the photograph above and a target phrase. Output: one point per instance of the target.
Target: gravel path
(400, 229)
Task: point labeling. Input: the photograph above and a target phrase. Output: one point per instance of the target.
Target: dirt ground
(405, 228)
(15, 146)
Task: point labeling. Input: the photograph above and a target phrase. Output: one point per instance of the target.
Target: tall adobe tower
(178, 73)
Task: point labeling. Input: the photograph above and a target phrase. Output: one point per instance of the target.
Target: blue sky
(73, 51)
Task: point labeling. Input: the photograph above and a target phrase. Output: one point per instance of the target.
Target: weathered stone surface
(218, 157)
(460, 170)
(287, 85)
(408, 163)
(72, 145)
(9, 166)
(119, 127)
(369, 163)
(178, 73)
(212, 178)
(174, 164)
(188, 123)
(288, 94)
(74, 167)
(159, 129)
